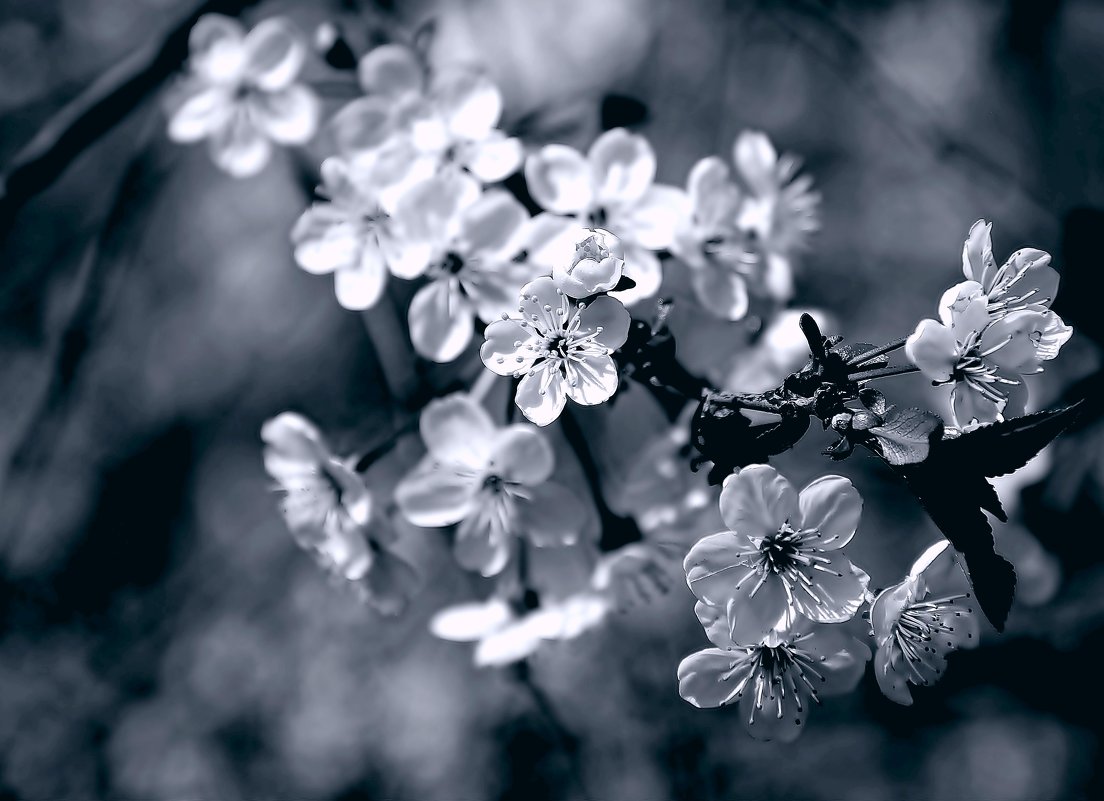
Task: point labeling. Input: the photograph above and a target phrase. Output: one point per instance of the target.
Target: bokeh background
(161, 637)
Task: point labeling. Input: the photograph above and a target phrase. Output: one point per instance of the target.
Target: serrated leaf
(999, 448)
(906, 436)
(874, 401)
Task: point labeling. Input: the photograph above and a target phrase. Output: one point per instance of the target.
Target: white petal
(756, 501)
(492, 226)
(643, 267)
(441, 321)
(595, 380)
(493, 158)
(472, 621)
(360, 286)
(239, 148)
(832, 506)
(609, 315)
(932, 347)
(197, 111)
(324, 242)
(714, 197)
(651, 221)
(623, 165)
(432, 496)
(520, 453)
(274, 54)
(392, 70)
(362, 125)
(559, 179)
(457, 430)
(470, 102)
(287, 117)
(541, 396)
(504, 344)
(756, 159)
(702, 677)
(215, 46)
(721, 291)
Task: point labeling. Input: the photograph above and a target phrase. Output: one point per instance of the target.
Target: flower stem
(482, 385)
(889, 347)
(884, 372)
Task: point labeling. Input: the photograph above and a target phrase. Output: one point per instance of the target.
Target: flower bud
(596, 267)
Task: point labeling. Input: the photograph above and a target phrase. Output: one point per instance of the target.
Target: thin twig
(565, 739)
(862, 358)
(885, 372)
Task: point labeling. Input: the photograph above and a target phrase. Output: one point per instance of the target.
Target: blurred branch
(109, 99)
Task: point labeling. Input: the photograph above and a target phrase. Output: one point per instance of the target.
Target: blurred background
(161, 636)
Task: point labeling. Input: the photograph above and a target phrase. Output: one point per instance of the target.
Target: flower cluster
(993, 329)
(241, 94)
(774, 597)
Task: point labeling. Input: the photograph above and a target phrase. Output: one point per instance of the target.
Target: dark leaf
(999, 448)
(623, 284)
(726, 437)
(906, 436)
(874, 400)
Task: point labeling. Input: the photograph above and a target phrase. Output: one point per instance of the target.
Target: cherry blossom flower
(781, 555)
(240, 93)
(1025, 281)
(919, 621)
(329, 512)
(775, 681)
(595, 266)
(559, 347)
(349, 235)
(494, 482)
(505, 635)
(612, 188)
(475, 273)
(742, 230)
(984, 356)
(415, 123)
(635, 574)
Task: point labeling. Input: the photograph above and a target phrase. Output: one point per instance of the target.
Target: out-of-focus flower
(505, 635)
(329, 512)
(776, 680)
(595, 267)
(612, 188)
(240, 93)
(742, 231)
(495, 482)
(984, 356)
(559, 347)
(1025, 281)
(919, 621)
(475, 272)
(348, 235)
(415, 123)
(781, 555)
(635, 574)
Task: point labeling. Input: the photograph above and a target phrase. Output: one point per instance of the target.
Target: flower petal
(441, 321)
(472, 621)
(756, 501)
(887, 607)
(323, 241)
(643, 267)
(470, 102)
(360, 285)
(891, 680)
(458, 431)
(274, 54)
(609, 315)
(292, 436)
(592, 380)
(492, 226)
(362, 125)
(703, 678)
(714, 197)
(239, 149)
(933, 348)
(714, 620)
(504, 346)
(391, 70)
(832, 506)
(721, 290)
(559, 179)
(838, 656)
(623, 165)
(553, 516)
(433, 496)
(978, 263)
(493, 158)
(540, 395)
(520, 453)
(970, 406)
(757, 160)
(287, 117)
(479, 547)
(198, 110)
(390, 582)
(215, 48)
(651, 221)
(836, 590)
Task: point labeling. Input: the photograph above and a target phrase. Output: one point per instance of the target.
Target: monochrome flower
(505, 635)
(329, 512)
(475, 273)
(347, 234)
(559, 347)
(595, 266)
(775, 680)
(612, 188)
(634, 574)
(1025, 281)
(742, 230)
(919, 621)
(494, 482)
(781, 555)
(240, 93)
(984, 356)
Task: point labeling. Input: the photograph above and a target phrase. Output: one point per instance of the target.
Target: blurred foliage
(162, 637)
